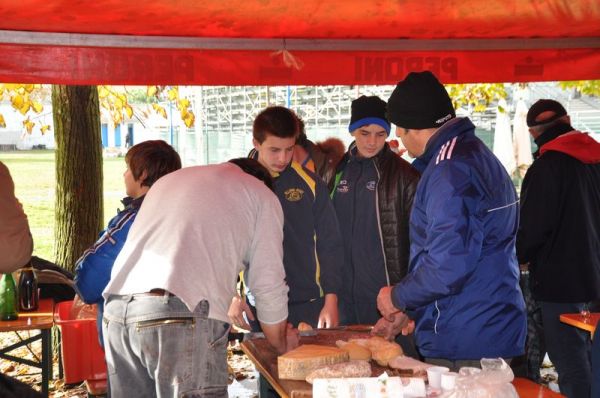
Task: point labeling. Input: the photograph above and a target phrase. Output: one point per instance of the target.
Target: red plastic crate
(82, 356)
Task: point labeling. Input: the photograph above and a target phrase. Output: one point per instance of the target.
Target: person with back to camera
(165, 320)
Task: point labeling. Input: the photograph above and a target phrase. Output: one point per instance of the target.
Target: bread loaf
(382, 351)
(298, 363)
(355, 351)
(345, 369)
(304, 327)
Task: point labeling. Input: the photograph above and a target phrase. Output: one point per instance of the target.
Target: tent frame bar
(192, 43)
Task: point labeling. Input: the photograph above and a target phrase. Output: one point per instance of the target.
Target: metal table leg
(46, 359)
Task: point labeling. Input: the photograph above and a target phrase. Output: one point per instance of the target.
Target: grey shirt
(196, 230)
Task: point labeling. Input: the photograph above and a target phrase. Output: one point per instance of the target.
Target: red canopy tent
(309, 42)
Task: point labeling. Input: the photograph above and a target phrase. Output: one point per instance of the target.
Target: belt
(153, 293)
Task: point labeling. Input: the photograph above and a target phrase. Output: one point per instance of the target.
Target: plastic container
(82, 356)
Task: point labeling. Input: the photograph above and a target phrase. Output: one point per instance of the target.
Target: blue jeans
(156, 347)
(569, 349)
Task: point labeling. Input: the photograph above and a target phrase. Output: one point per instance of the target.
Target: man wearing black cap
(372, 193)
(559, 237)
(462, 289)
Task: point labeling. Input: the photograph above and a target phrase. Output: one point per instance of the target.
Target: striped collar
(442, 144)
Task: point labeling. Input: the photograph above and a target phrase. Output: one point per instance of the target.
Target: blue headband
(370, 120)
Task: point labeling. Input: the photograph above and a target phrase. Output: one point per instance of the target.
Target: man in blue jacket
(312, 243)
(146, 163)
(462, 289)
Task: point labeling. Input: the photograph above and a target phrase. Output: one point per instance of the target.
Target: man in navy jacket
(462, 289)
(312, 244)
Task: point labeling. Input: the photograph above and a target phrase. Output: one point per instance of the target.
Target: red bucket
(82, 356)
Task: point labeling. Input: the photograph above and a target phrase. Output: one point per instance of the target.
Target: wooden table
(42, 319)
(580, 322)
(264, 358)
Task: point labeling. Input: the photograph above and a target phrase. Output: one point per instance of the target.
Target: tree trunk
(79, 200)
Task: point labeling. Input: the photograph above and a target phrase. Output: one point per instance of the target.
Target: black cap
(420, 101)
(368, 110)
(541, 106)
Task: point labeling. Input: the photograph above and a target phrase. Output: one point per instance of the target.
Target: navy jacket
(93, 268)
(463, 282)
(373, 199)
(312, 245)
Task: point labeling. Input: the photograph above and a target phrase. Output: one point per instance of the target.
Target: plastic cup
(448, 381)
(434, 376)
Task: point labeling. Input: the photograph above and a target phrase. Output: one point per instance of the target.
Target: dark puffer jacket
(395, 193)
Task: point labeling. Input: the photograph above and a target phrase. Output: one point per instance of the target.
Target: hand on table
(401, 323)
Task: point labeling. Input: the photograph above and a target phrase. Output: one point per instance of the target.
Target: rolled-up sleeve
(266, 276)
(16, 244)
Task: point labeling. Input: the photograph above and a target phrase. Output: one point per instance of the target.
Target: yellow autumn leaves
(117, 104)
(182, 104)
(23, 99)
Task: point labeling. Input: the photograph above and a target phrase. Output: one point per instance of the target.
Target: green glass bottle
(8, 298)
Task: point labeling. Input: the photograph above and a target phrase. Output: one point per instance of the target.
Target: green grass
(35, 181)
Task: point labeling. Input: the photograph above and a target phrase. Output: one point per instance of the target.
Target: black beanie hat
(541, 106)
(420, 101)
(368, 110)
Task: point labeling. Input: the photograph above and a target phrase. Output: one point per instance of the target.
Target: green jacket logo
(293, 194)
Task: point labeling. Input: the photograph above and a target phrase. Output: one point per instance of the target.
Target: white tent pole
(206, 43)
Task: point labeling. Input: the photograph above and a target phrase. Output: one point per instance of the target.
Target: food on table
(408, 365)
(304, 327)
(299, 362)
(340, 370)
(355, 350)
(381, 349)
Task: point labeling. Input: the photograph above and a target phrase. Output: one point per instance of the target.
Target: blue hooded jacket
(93, 268)
(462, 289)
